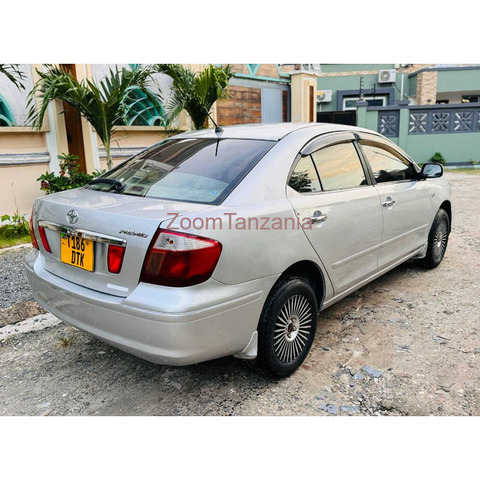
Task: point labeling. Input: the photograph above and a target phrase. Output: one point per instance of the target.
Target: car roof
(267, 131)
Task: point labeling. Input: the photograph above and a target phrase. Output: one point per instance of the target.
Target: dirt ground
(407, 344)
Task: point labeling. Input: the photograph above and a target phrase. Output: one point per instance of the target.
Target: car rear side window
(339, 167)
(199, 170)
(304, 178)
(386, 164)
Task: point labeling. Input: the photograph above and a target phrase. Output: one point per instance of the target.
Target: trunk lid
(129, 218)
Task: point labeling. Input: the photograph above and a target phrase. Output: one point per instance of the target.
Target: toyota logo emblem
(72, 216)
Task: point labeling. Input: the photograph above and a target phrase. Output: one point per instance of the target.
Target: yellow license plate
(77, 251)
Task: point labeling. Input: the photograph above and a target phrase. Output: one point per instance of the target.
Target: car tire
(287, 327)
(437, 241)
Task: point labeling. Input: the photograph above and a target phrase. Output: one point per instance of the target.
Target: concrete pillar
(362, 114)
(304, 105)
(426, 88)
(403, 124)
(55, 124)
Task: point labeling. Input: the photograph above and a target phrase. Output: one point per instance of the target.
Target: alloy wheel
(293, 328)
(440, 240)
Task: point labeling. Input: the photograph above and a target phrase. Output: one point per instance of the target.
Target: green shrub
(70, 176)
(438, 158)
(17, 226)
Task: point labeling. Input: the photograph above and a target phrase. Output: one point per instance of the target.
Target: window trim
(366, 171)
(383, 141)
(332, 138)
(386, 148)
(365, 164)
(326, 140)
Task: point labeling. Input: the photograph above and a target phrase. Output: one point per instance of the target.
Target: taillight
(33, 239)
(179, 259)
(43, 237)
(115, 258)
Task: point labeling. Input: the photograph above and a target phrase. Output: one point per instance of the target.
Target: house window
(312, 67)
(470, 98)
(6, 116)
(350, 103)
(442, 102)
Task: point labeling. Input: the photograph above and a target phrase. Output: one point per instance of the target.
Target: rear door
(329, 186)
(405, 200)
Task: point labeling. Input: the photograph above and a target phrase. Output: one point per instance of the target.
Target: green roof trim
(261, 77)
(253, 67)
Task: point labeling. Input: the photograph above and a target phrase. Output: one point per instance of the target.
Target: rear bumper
(194, 324)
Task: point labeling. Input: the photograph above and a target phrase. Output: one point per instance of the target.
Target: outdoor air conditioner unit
(386, 76)
(324, 96)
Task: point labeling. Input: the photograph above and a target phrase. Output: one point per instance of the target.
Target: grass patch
(6, 341)
(11, 242)
(67, 340)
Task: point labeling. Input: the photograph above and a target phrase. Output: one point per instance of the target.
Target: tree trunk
(109, 156)
(201, 124)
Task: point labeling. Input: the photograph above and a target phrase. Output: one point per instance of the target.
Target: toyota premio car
(215, 243)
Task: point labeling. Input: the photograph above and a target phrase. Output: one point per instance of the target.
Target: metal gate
(345, 118)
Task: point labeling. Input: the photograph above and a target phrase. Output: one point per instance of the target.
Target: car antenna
(217, 128)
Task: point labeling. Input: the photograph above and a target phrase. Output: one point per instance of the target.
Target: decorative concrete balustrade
(422, 130)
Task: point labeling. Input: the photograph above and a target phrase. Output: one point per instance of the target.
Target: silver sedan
(231, 243)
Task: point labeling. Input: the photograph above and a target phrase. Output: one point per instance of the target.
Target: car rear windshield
(199, 170)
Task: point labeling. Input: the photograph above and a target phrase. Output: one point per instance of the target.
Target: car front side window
(386, 164)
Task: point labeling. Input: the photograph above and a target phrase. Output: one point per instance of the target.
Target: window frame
(346, 99)
(295, 163)
(466, 98)
(377, 142)
(222, 197)
(326, 141)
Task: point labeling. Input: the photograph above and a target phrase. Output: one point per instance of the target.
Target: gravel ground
(16, 300)
(407, 344)
(15, 288)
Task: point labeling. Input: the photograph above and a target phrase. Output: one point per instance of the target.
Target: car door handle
(318, 217)
(389, 202)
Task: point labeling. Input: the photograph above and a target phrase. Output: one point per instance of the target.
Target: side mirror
(431, 170)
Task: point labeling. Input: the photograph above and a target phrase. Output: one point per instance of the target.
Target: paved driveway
(403, 345)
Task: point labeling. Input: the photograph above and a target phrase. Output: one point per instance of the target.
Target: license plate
(77, 251)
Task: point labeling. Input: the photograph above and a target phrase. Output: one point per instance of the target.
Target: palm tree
(194, 92)
(103, 104)
(13, 73)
